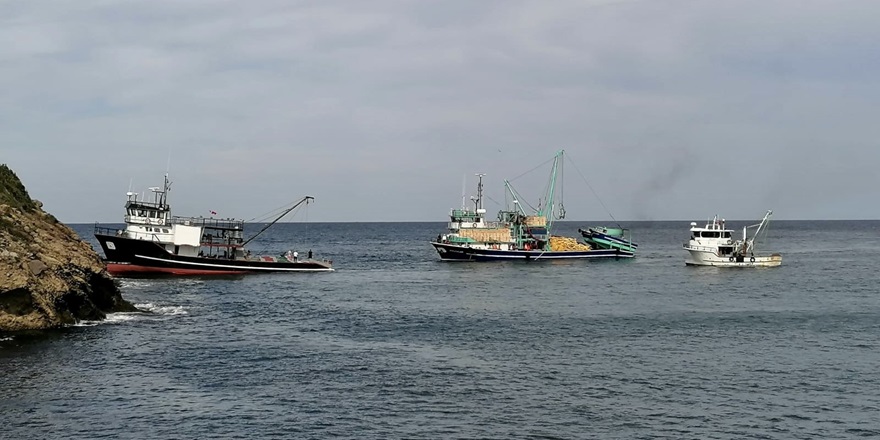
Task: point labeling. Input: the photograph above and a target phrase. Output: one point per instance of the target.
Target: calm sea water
(397, 344)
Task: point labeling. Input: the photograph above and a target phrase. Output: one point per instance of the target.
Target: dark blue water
(396, 344)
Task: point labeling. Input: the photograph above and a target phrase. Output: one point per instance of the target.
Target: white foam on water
(112, 318)
(147, 310)
(162, 310)
(8, 338)
(128, 282)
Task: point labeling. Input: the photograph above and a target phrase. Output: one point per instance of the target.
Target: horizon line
(555, 221)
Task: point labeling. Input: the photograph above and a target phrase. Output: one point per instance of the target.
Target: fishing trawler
(155, 242)
(517, 234)
(714, 245)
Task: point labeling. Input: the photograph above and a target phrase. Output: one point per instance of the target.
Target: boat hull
(611, 240)
(697, 258)
(452, 252)
(127, 256)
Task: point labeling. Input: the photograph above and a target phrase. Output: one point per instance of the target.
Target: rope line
(594, 192)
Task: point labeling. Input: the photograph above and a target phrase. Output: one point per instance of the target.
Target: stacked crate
(497, 235)
(566, 244)
(535, 220)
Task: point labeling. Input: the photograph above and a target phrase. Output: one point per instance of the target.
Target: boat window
(726, 234)
(165, 231)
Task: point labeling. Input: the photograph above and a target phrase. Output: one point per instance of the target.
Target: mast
(463, 192)
(764, 222)
(516, 198)
(550, 192)
(163, 200)
(761, 226)
(479, 200)
(304, 199)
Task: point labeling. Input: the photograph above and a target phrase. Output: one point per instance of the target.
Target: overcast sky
(670, 109)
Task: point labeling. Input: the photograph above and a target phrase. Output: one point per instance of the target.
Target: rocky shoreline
(49, 277)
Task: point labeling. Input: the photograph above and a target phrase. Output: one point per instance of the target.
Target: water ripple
(408, 347)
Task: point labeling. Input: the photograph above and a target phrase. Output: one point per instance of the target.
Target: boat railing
(690, 246)
(210, 222)
(102, 230)
(150, 205)
(464, 213)
(141, 220)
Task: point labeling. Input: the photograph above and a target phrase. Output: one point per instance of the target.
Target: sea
(396, 344)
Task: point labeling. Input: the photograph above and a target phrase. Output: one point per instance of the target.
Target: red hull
(123, 269)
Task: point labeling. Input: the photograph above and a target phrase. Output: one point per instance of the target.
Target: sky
(382, 109)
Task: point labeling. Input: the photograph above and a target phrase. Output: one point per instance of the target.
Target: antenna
(463, 191)
(480, 191)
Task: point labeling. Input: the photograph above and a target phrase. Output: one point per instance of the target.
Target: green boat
(518, 233)
(602, 237)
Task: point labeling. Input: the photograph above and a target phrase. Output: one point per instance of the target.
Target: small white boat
(714, 245)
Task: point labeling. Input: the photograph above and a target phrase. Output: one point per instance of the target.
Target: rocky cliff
(48, 276)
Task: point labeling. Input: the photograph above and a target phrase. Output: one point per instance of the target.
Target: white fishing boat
(714, 245)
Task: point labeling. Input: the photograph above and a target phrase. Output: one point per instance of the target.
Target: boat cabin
(713, 235)
(187, 236)
(466, 218)
(146, 220)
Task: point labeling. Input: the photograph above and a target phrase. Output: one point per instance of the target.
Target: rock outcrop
(49, 277)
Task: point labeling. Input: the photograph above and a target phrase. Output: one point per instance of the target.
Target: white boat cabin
(713, 237)
(187, 236)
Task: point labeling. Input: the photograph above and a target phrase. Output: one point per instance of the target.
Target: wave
(146, 311)
(161, 310)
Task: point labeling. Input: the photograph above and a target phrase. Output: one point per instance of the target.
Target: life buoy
(752, 259)
(730, 259)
